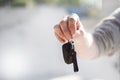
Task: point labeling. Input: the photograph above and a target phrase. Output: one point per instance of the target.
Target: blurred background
(29, 49)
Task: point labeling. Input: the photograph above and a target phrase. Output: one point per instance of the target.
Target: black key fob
(69, 55)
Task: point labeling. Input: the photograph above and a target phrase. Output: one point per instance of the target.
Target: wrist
(85, 45)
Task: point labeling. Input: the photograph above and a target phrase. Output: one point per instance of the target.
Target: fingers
(65, 30)
(73, 23)
(59, 32)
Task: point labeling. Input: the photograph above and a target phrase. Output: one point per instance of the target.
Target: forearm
(107, 34)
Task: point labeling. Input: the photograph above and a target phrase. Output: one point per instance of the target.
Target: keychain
(69, 55)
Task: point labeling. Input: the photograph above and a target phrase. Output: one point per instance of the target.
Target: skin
(69, 28)
(65, 30)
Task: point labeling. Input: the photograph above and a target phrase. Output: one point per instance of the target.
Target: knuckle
(65, 18)
(71, 19)
(62, 22)
(56, 26)
(74, 14)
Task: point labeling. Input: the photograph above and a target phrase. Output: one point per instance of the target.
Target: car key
(75, 65)
(69, 55)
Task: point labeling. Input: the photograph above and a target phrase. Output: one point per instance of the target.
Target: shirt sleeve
(107, 34)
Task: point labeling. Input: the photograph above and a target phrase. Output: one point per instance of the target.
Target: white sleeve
(107, 34)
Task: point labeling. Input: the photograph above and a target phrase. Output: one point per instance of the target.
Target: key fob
(67, 53)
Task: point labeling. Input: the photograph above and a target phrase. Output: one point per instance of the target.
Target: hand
(71, 28)
(68, 28)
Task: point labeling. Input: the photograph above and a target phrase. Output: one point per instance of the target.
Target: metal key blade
(75, 65)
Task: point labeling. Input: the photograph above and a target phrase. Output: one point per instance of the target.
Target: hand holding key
(66, 31)
(67, 28)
